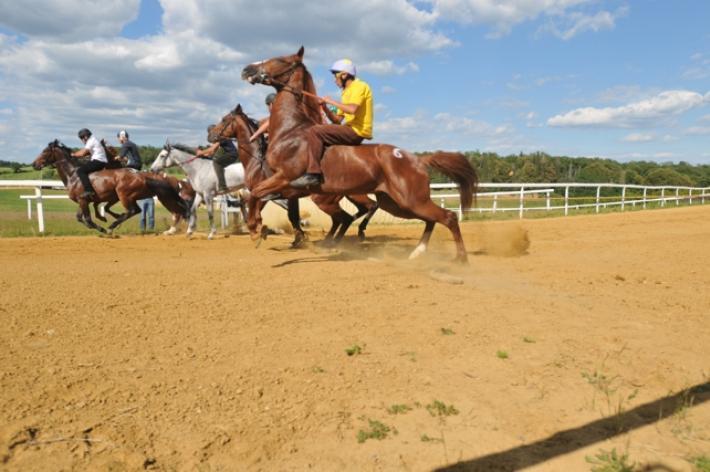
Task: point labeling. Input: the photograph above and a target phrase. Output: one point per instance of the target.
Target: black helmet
(270, 98)
(84, 133)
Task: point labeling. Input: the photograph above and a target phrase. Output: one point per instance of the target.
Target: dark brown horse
(111, 185)
(399, 179)
(236, 124)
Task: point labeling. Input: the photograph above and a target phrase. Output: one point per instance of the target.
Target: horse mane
(311, 105)
(185, 148)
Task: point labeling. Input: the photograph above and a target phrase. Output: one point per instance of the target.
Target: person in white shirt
(98, 161)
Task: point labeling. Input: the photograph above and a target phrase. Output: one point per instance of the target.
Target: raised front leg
(274, 184)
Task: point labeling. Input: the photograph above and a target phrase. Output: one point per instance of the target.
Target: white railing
(522, 193)
(676, 195)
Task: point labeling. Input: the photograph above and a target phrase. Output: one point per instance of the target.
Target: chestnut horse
(236, 124)
(399, 179)
(112, 185)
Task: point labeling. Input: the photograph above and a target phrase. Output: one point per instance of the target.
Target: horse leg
(346, 219)
(431, 214)
(193, 215)
(108, 206)
(294, 216)
(273, 184)
(365, 207)
(254, 217)
(209, 202)
(131, 209)
(84, 216)
(97, 212)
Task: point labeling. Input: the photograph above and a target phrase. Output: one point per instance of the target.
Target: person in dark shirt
(225, 154)
(129, 151)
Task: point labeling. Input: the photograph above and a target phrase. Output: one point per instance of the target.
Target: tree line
(542, 167)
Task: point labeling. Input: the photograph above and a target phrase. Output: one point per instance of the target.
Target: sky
(625, 80)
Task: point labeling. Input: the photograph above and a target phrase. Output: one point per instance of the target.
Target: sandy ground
(562, 338)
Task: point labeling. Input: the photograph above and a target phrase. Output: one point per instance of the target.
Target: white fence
(527, 197)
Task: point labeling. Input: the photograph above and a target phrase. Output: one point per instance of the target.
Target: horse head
(224, 129)
(55, 151)
(275, 71)
(164, 159)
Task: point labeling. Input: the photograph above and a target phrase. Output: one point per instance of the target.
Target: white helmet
(344, 65)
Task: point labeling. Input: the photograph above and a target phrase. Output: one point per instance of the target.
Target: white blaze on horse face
(159, 162)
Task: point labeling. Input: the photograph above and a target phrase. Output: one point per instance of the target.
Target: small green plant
(606, 461)
(700, 463)
(427, 438)
(529, 340)
(447, 331)
(398, 409)
(317, 369)
(502, 354)
(377, 431)
(353, 350)
(438, 408)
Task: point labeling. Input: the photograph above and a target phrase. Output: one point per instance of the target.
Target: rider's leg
(83, 173)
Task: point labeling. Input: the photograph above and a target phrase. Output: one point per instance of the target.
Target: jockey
(354, 111)
(129, 151)
(98, 160)
(264, 124)
(226, 156)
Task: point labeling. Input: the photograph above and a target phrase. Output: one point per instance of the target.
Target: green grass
(353, 350)
(378, 430)
(398, 409)
(447, 331)
(439, 408)
(502, 354)
(606, 461)
(700, 463)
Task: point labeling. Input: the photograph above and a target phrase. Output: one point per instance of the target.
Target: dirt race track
(171, 354)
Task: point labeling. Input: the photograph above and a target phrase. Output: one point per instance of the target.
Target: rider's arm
(337, 119)
(349, 108)
(209, 151)
(81, 153)
(263, 128)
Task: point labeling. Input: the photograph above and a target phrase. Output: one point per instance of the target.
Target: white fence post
(522, 201)
(690, 196)
(644, 197)
(599, 188)
(495, 203)
(663, 197)
(677, 199)
(547, 201)
(40, 209)
(566, 200)
(623, 197)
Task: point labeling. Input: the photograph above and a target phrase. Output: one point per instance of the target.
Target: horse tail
(168, 196)
(455, 166)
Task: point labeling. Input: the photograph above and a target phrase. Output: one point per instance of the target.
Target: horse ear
(300, 53)
(238, 108)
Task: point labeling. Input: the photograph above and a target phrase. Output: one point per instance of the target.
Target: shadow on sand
(570, 440)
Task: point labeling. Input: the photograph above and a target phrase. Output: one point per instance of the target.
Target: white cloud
(644, 112)
(503, 16)
(570, 25)
(387, 67)
(698, 131)
(638, 138)
(699, 69)
(68, 19)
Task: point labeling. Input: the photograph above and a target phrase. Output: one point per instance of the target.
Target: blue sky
(627, 80)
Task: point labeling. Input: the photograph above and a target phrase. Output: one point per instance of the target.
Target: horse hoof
(418, 251)
(361, 236)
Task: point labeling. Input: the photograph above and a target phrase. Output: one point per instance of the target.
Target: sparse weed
(398, 409)
(700, 463)
(427, 438)
(681, 425)
(353, 350)
(378, 430)
(502, 354)
(606, 461)
(438, 408)
(529, 340)
(317, 369)
(447, 331)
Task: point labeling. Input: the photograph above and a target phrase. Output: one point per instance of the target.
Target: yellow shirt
(358, 93)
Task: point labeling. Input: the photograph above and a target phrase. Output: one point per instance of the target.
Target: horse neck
(247, 149)
(65, 168)
(187, 162)
(293, 110)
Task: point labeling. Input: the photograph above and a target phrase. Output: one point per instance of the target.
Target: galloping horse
(200, 173)
(186, 192)
(236, 124)
(126, 185)
(398, 179)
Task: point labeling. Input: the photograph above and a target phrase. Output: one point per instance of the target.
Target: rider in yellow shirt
(352, 120)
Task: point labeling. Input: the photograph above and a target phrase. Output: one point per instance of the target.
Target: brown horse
(236, 124)
(126, 185)
(399, 179)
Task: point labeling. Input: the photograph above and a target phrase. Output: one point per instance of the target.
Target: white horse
(201, 175)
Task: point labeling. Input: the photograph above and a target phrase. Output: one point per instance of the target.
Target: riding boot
(221, 184)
